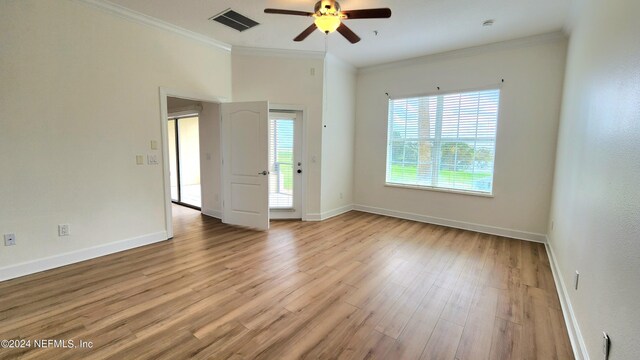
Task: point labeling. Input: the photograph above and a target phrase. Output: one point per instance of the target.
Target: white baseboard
(35, 266)
(575, 335)
(515, 234)
(335, 212)
(312, 217)
(327, 214)
(213, 213)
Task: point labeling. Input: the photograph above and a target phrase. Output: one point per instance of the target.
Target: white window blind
(443, 141)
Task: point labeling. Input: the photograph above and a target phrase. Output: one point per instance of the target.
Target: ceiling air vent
(234, 20)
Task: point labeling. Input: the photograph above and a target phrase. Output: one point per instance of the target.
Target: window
(443, 141)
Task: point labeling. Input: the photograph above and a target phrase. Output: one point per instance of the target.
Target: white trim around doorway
(303, 109)
(164, 115)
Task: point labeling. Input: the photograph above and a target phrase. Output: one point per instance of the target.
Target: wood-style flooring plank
(506, 342)
(475, 343)
(356, 286)
(443, 342)
(416, 334)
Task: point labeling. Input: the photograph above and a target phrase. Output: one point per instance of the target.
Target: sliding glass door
(184, 161)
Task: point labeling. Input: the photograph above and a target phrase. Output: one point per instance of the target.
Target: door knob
(299, 171)
(263, 173)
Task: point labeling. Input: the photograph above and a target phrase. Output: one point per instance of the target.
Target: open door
(245, 164)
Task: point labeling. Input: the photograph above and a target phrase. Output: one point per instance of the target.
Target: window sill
(430, 188)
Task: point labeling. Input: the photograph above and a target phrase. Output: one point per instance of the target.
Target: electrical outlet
(341, 196)
(552, 224)
(152, 159)
(64, 230)
(577, 279)
(9, 239)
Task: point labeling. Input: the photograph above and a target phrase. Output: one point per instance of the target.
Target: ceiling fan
(328, 18)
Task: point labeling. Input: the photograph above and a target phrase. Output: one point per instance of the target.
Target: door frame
(298, 193)
(275, 107)
(164, 116)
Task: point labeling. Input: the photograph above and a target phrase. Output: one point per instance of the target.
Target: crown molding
(475, 50)
(254, 51)
(140, 18)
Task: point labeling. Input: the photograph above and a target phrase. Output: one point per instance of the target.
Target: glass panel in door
(281, 162)
(189, 161)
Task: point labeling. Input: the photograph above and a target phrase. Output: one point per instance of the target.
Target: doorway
(180, 104)
(215, 170)
(184, 160)
(285, 164)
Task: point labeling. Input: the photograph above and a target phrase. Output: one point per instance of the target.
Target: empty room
(356, 179)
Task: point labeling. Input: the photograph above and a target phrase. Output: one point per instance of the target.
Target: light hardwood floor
(353, 287)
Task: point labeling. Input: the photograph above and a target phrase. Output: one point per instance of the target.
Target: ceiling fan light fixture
(328, 18)
(327, 23)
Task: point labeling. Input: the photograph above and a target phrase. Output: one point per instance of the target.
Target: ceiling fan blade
(347, 33)
(368, 13)
(303, 35)
(287, 12)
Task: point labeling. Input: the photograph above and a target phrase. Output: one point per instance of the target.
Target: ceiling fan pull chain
(326, 44)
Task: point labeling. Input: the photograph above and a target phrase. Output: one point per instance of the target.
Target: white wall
(296, 80)
(338, 136)
(596, 201)
(533, 70)
(79, 98)
(210, 171)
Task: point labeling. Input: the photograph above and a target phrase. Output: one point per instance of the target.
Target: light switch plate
(139, 160)
(154, 145)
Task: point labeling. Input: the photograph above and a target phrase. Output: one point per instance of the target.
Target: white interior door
(245, 157)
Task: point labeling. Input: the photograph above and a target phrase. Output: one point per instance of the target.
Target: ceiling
(416, 28)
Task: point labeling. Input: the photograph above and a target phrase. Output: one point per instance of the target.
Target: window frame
(491, 194)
